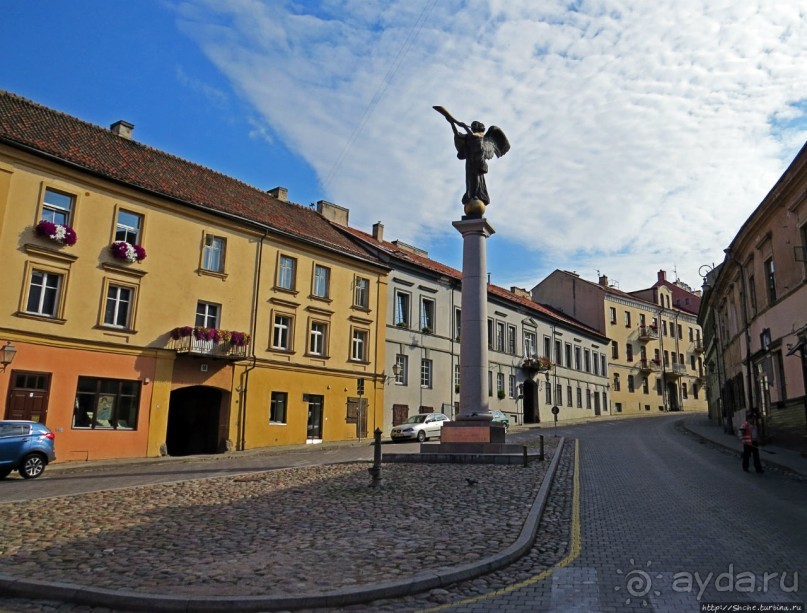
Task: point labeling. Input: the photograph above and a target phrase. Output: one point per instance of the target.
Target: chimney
(520, 292)
(603, 280)
(123, 129)
(333, 212)
(378, 231)
(281, 193)
(662, 276)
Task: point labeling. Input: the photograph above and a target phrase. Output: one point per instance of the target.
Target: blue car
(25, 446)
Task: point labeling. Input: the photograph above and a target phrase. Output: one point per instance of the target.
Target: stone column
(474, 403)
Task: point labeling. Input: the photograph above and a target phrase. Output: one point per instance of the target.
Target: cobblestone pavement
(282, 532)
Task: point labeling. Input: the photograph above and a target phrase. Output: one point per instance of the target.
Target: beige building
(754, 305)
(655, 358)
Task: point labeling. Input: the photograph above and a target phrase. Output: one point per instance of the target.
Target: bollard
(526, 458)
(375, 469)
(541, 448)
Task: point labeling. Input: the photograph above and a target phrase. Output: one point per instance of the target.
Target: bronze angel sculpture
(476, 146)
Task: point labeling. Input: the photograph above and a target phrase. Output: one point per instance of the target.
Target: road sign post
(555, 411)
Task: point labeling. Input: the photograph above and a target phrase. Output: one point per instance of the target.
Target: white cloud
(643, 134)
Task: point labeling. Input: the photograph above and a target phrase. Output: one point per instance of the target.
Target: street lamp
(7, 354)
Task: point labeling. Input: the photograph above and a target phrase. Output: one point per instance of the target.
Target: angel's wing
(495, 143)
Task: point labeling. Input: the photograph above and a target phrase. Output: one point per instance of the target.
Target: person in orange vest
(749, 434)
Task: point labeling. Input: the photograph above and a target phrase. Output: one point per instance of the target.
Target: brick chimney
(603, 280)
(123, 129)
(378, 231)
(662, 276)
(281, 193)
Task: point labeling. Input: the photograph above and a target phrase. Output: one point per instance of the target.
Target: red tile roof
(405, 255)
(26, 124)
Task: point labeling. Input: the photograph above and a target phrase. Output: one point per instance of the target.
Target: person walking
(749, 434)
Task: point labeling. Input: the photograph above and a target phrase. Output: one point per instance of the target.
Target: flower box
(64, 235)
(127, 252)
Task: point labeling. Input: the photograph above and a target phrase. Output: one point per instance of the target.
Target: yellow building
(160, 307)
(655, 359)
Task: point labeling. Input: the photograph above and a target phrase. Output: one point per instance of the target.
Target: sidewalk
(788, 459)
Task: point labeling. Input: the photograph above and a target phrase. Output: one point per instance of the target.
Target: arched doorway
(195, 418)
(531, 413)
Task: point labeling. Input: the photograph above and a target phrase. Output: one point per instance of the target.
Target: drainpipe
(242, 389)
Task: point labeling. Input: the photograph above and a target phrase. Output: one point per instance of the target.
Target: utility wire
(379, 94)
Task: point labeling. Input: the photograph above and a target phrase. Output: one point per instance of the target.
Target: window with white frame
(548, 393)
(579, 398)
(118, 306)
(402, 301)
(500, 336)
(207, 315)
(612, 312)
(530, 344)
(43, 293)
(595, 363)
(603, 363)
(511, 387)
(213, 253)
(361, 295)
(322, 280)
(287, 273)
(588, 399)
(425, 373)
(427, 315)
(457, 324)
(278, 407)
(317, 338)
(402, 362)
(587, 360)
(547, 347)
(567, 348)
(511, 340)
(568, 395)
(128, 227)
(358, 345)
(490, 383)
(57, 207)
(281, 332)
(558, 353)
(457, 376)
(499, 381)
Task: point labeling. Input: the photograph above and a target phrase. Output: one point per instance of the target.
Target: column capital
(474, 226)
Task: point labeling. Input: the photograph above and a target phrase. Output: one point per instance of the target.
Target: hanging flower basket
(64, 235)
(127, 252)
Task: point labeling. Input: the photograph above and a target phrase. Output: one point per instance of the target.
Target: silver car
(421, 427)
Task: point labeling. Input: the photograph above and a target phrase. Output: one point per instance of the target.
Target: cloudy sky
(643, 133)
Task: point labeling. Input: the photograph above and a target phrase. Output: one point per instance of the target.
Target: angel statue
(476, 146)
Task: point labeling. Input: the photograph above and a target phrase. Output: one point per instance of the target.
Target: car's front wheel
(32, 466)
(421, 436)
(4, 472)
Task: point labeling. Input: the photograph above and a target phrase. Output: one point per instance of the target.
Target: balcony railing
(209, 342)
(676, 370)
(698, 346)
(648, 365)
(537, 364)
(648, 333)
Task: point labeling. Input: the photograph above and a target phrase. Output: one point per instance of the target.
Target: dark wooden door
(28, 396)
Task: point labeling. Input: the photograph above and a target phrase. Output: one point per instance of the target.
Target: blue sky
(643, 134)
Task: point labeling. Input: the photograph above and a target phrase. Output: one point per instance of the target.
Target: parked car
(500, 418)
(25, 446)
(421, 427)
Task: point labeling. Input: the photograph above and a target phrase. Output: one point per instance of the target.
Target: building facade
(756, 300)
(654, 360)
(159, 307)
(537, 358)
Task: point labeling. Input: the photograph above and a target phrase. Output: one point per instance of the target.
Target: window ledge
(49, 253)
(324, 299)
(211, 273)
(123, 270)
(37, 317)
(285, 290)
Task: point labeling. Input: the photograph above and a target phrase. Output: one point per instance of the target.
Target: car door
(12, 439)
